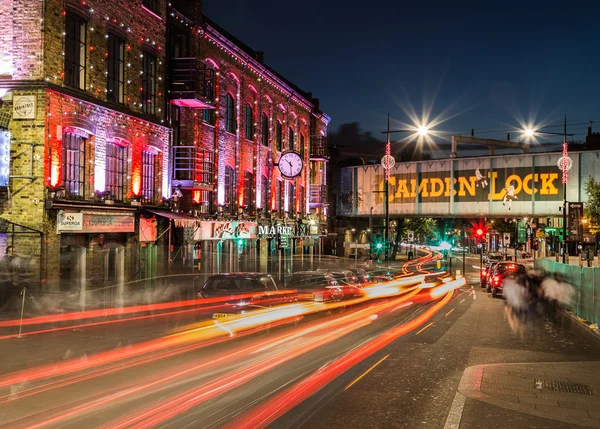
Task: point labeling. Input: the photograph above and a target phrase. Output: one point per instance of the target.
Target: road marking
(424, 328)
(456, 411)
(462, 301)
(448, 313)
(367, 371)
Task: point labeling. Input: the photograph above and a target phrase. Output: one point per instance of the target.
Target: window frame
(75, 51)
(149, 85)
(265, 130)
(149, 181)
(208, 116)
(229, 188)
(115, 169)
(249, 190)
(279, 136)
(115, 76)
(78, 170)
(249, 122)
(230, 122)
(291, 138)
(264, 190)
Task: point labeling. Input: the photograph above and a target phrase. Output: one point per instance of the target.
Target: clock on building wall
(290, 164)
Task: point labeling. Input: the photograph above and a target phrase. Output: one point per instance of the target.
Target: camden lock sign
(518, 184)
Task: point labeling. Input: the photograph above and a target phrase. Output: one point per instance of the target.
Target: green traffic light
(379, 245)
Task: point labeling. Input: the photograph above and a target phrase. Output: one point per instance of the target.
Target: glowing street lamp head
(529, 132)
(423, 130)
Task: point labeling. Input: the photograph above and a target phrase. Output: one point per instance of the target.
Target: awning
(180, 220)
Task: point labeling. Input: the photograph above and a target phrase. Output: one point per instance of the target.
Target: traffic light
(479, 232)
(379, 246)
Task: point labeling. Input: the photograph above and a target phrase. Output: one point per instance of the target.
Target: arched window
(249, 191)
(265, 130)
(249, 123)
(229, 189)
(264, 192)
(290, 138)
(279, 136)
(116, 157)
(229, 113)
(292, 198)
(302, 145)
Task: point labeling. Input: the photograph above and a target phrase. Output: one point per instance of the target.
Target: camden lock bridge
(515, 185)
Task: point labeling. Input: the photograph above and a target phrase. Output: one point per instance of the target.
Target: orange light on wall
(136, 184)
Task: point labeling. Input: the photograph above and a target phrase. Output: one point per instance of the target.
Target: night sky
(479, 64)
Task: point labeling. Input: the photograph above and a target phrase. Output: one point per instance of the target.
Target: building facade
(83, 111)
(233, 117)
(134, 139)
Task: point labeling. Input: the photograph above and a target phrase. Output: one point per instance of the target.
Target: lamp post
(564, 164)
(388, 162)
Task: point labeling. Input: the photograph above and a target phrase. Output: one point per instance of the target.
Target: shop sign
(225, 230)
(70, 222)
(4, 158)
(292, 231)
(24, 107)
(87, 222)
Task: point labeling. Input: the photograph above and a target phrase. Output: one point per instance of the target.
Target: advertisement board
(575, 224)
(92, 222)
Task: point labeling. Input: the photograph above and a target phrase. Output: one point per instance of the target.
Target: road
(393, 360)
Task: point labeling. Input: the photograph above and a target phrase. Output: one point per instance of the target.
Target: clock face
(290, 164)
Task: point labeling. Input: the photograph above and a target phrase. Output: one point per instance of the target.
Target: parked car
(494, 257)
(488, 276)
(380, 275)
(344, 277)
(245, 291)
(321, 286)
(487, 267)
(361, 275)
(504, 271)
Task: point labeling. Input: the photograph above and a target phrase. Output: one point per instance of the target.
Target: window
(115, 170)
(249, 194)
(148, 176)
(229, 189)
(151, 5)
(302, 146)
(279, 136)
(75, 51)
(149, 83)
(73, 165)
(279, 196)
(203, 198)
(264, 190)
(115, 77)
(207, 167)
(292, 199)
(291, 138)
(249, 123)
(208, 116)
(301, 206)
(265, 130)
(229, 114)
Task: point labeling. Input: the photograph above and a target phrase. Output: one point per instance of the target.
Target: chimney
(259, 56)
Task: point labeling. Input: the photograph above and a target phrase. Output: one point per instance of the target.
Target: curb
(590, 327)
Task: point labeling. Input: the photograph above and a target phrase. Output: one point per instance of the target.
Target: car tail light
(483, 273)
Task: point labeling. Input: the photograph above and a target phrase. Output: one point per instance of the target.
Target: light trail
(269, 411)
(179, 403)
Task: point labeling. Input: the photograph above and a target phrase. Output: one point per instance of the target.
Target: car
(494, 257)
(504, 271)
(245, 291)
(488, 276)
(361, 275)
(318, 286)
(380, 275)
(344, 277)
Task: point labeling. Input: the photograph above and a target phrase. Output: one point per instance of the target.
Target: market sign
(24, 107)
(93, 222)
(293, 231)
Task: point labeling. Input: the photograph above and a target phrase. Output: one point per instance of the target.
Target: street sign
(575, 226)
(540, 234)
(411, 236)
(506, 239)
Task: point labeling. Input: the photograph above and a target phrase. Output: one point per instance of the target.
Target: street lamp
(388, 162)
(564, 164)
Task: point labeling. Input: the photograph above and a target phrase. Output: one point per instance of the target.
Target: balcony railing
(192, 83)
(317, 196)
(318, 148)
(194, 166)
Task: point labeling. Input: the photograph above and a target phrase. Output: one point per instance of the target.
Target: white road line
(456, 411)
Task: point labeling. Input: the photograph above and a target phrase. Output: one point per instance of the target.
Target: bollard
(23, 292)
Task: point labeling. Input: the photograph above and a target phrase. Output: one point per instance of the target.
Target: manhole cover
(561, 386)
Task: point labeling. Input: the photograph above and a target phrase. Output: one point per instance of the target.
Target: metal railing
(194, 164)
(318, 195)
(191, 78)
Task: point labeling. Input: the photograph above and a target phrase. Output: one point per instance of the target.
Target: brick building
(83, 110)
(135, 138)
(233, 117)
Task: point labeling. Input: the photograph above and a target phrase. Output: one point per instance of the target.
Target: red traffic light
(479, 232)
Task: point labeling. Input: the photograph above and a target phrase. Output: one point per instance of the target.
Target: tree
(592, 207)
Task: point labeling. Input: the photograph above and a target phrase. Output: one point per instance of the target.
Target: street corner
(568, 392)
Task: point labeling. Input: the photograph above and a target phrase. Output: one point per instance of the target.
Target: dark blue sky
(482, 64)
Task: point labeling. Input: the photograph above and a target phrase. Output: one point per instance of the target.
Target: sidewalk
(565, 391)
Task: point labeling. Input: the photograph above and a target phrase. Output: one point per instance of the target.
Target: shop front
(98, 253)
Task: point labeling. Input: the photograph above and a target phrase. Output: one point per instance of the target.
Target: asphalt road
(387, 363)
